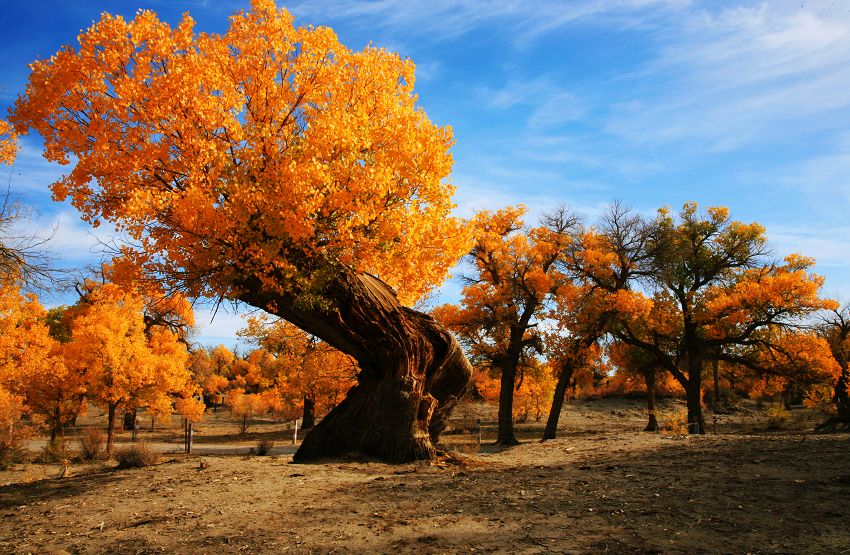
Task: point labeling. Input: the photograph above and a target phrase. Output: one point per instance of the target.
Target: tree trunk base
(412, 371)
(396, 417)
(652, 424)
(509, 442)
(377, 421)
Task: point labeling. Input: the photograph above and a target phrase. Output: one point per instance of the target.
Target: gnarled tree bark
(412, 371)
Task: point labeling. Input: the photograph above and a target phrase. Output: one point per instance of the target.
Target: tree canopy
(268, 151)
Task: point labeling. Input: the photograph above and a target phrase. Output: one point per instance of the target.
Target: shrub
(136, 456)
(12, 450)
(675, 422)
(52, 453)
(12, 432)
(777, 417)
(264, 446)
(92, 444)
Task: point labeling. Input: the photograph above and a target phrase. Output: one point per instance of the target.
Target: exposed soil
(604, 487)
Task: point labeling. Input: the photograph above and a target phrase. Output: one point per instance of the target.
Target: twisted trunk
(412, 371)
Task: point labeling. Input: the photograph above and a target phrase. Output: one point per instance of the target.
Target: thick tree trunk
(841, 398)
(56, 425)
(652, 424)
(715, 369)
(696, 422)
(110, 428)
(412, 371)
(308, 420)
(505, 435)
(564, 378)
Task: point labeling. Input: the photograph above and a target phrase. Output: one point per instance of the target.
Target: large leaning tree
(273, 166)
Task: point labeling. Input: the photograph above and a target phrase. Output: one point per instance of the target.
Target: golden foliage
(8, 143)
(304, 367)
(268, 151)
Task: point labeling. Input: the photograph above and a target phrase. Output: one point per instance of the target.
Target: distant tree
(717, 294)
(31, 369)
(835, 329)
(633, 361)
(57, 393)
(601, 264)
(126, 365)
(309, 371)
(514, 279)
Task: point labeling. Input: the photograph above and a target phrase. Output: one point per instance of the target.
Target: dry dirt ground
(604, 487)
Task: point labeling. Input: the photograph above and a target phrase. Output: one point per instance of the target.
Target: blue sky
(651, 102)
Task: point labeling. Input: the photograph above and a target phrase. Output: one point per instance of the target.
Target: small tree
(515, 276)
(126, 363)
(247, 405)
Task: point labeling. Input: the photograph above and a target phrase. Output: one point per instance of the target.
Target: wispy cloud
(216, 326)
(67, 238)
(548, 104)
(829, 246)
(742, 75)
(447, 19)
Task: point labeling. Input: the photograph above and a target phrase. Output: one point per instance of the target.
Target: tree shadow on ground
(55, 489)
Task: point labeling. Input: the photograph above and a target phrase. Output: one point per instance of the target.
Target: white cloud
(68, 238)
(829, 246)
(550, 104)
(31, 174)
(445, 19)
(214, 327)
(742, 75)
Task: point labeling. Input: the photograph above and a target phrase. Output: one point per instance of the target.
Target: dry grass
(136, 456)
(92, 442)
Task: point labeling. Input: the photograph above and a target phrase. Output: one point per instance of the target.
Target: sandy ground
(603, 487)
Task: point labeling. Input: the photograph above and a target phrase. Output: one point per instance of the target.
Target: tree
(601, 263)
(247, 405)
(835, 329)
(716, 294)
(309, 370)
(56, 394)
(126, 365)
(515, 276)
(8, 143)
(31, 370)
(108, 346)
(273, 166)
(633, 361)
